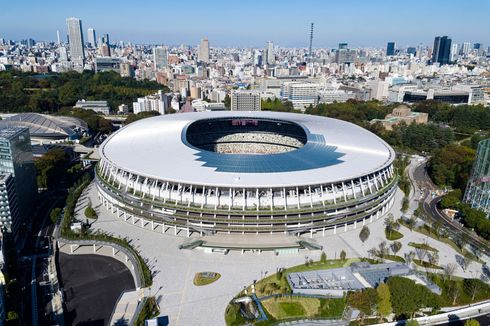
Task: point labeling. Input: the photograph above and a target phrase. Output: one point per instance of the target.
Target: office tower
(479, 48)
(30, 42)
(91, 38)
(17, 160)
(160, 57)
(75, 37)
(270, 58)
(244, 100)
(465, 49)
(478, 190)
(343, 46)
(203, 51)
(10, 220)
(412, 50)
(441, 50)
(104, 46)
(454, 52)
(390, 48)
(310, 50)
(58, 39)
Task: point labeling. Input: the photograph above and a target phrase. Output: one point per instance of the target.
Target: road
(429, 204)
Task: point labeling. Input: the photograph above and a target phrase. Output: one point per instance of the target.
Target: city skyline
(258, 22)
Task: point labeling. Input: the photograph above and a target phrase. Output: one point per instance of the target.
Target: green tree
(412, 322)
(364, 301)
(391, 225)
(323, 257)
(343, 255)
(472, 287)
(227, 101)
(472, 322)
(51, 168)
(90, 212)
(383, 300)
(141, 115)
(364, 234)
(12, 315)
(54, 214)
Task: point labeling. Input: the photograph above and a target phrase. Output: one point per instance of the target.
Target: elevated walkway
(247, 242)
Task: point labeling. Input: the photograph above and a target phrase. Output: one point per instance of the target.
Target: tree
(323, 257)
(55, 214)
(343, 255)
(449, 270)
(395, 247)
(12, 315)
(227, 101)
(407, 297)
(433, 258)
(90, 212)
(364, 234)
(472, 287)
(391, 224)
(412, 322)
(140, 115)
(52, 168)
(409, 257)
(421, 253)
(364, 301)
(472, 322)
(383, 300)
(383, 248)
(453, 291)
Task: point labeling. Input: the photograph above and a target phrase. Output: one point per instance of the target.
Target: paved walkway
(174, 269)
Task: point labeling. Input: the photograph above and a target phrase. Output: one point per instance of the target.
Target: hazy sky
(253, 22)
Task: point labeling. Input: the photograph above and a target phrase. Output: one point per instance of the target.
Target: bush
(55, 214)
(90, 212)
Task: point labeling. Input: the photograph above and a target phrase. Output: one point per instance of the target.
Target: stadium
(246, 173)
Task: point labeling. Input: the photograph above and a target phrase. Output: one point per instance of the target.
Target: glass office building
(16, 159)
(478, 190)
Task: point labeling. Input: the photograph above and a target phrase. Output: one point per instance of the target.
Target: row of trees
(25, 92)
(471, 217)
(451, 166)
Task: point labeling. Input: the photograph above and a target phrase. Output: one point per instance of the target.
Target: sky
(233, 23)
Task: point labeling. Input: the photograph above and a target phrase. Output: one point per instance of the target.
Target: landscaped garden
(205, 278)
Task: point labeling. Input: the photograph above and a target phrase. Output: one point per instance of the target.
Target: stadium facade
(246, 172)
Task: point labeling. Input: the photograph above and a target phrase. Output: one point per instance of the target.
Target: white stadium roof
(157, 148)
(42, 125)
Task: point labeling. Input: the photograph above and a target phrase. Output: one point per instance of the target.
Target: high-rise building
(441, 50)
(160, 60)
(390, 48)
(75, 37)
(245, 100)
(465, 49)
(16, 159)
(105, 46)
(270, 57)
(58, 39)
(478, 190)
(9, 206)
(203, 51)
(343, 46)
(412, 50)
(454, 52)
(92, 40)
(155, 102)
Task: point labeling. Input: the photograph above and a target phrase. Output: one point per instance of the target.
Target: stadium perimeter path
(174, 269)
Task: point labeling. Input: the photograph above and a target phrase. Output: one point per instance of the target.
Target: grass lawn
(233, 316)
(201, 279)
(395, 235)
(426, 264)
(303, 307)
(393, 258)
(422, 246)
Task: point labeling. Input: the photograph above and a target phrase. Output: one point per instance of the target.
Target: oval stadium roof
(335, 151)
(47, 126)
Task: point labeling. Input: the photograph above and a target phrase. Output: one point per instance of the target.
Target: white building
(97, 106)
(300, 94)
(155, 102)
(244, 100)
(379, 89)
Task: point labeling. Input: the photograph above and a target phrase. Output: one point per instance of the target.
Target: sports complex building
(246, 172)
